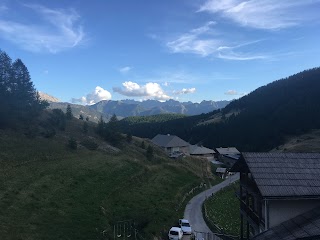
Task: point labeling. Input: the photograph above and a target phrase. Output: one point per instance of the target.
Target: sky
(189, 50)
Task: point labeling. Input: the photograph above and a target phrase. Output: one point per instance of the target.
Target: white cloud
(125, 69)
(196, 41)
(97, 95)
(166, 84)
(229, 54)
(233, 92)
(261, 14)
(53, 31)
(150, 90)
(199, 41)
(185, 91)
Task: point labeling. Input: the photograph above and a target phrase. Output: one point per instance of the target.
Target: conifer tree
(129, 138)
(101, 126)
(85, 127)
(149, 153)
(5, 98)
(69, 114)
(19, 100)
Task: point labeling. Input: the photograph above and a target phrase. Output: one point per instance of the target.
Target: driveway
(193, 211)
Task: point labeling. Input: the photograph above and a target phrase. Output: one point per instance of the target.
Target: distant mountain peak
(47, 97)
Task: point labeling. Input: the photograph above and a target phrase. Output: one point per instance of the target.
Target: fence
(186, 195)
(124, 230)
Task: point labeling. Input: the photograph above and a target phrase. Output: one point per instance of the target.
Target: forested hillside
(256, 122)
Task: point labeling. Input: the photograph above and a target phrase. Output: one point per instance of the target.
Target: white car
(185, 226)
(175, 233)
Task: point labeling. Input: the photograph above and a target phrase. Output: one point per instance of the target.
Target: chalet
(171, 143)
(277, 193)
(228, 155)
(221, 172)
(200, 151)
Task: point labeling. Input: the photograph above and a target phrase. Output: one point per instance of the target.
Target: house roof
(304, 226)
(228, 151)
(283, 175)
(199, 150)
(221, 170)
(169, 141)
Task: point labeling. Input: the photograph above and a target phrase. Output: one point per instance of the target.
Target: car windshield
(185, 224)
(174, 233)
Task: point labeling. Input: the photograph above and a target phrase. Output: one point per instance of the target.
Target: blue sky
(189, 50)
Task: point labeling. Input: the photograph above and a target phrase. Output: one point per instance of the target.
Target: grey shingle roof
(169, 141)
(228, 151)
(304, 226)
(221, 170)
(285, 174)
(199, 150)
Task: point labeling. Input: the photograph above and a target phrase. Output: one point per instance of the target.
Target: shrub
(89, 144)
(72, 143)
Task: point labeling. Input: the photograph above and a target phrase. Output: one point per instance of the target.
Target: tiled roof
(285, 174)
(199, 150)
(169, 141)
(304, 226)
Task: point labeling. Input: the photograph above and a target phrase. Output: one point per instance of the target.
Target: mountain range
(127, 108)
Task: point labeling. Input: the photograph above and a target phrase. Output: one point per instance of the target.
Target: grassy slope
(309, 142)
(48, 192)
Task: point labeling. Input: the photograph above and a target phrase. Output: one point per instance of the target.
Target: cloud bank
(97, 95)
(149, 90)
(185, 91)
(233, 93)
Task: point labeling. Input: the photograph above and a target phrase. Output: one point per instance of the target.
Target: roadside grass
(223, 209)
(50, 192)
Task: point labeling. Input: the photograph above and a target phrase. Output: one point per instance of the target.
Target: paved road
(193, 210)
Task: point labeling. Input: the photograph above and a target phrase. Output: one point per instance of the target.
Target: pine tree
(69, 114)
(149, 153)
(129, 137)
(5, 96)
(85, 127)
(72, 143)
(101, 127)
(19, 100)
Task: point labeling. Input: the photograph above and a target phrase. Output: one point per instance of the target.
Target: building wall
(176, 149)
(282, 210)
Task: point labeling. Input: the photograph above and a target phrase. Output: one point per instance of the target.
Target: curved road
(193, 210)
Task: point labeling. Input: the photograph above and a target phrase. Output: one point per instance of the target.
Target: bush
(149, 153)
(89, 144)
(49, 133)
(72, 143)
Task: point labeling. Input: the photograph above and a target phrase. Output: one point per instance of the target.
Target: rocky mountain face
(126, 108)
(47, 97)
